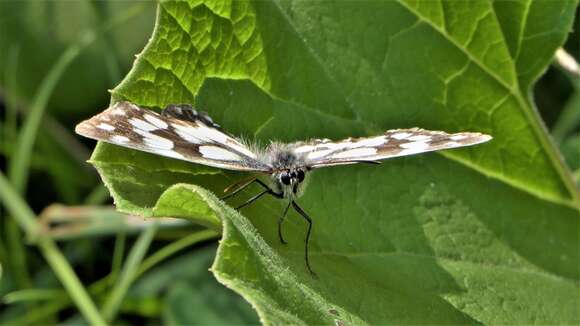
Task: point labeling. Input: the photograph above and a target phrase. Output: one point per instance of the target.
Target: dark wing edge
(130, 126)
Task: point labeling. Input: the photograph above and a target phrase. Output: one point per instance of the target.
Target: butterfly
(181, 132)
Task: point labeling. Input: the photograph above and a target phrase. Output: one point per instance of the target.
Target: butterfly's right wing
(393, 143)
(197, 141)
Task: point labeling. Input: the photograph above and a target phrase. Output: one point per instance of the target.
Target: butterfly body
(289, 169)
(183, 133)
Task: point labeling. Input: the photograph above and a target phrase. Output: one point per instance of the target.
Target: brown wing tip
(478, 138)
(485, 138)
(87, 127)
(80, 128)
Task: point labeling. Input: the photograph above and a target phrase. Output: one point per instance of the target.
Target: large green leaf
(485, 234)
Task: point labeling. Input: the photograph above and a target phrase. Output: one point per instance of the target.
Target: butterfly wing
(393, 143)
(128, 125)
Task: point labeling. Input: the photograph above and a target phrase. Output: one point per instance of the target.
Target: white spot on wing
(105, 126)
(356, 153)
(140, 124)
(458, 137)
(159, 142)
(211, 134)
(337, 146)
(413, 148)
(119, 139)
(187, 133)
(371, 142)
(420, 138)
(416, 145)
(201, 134)
(169, 153)
(218, 153)
(156, 121)
(401, 135)
(155, 141)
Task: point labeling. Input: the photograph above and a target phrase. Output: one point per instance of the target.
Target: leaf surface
(486, 234)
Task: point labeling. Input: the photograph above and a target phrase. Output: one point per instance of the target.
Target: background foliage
(481, 235)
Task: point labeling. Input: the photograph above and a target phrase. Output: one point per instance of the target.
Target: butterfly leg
(238, 186)
(267, 190)
(275, 194)
(245, 183)
(309, 220)
(253, 199)
(280, 220)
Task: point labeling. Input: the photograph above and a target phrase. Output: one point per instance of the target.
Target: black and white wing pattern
(393, 143)
(195, 139)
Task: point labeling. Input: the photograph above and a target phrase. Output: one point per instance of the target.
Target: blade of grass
(120, 240)
(24, 216)
(9, 97)
(33, 295)
(17, 255)
(138, 251)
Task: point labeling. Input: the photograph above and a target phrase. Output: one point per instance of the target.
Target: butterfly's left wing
(393, 143)
(196, 139)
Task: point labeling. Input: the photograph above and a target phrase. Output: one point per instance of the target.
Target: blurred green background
(57, 62)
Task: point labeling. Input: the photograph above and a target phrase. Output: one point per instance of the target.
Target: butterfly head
(290, 181)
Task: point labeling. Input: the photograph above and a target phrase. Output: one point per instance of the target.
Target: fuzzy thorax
(290, 171)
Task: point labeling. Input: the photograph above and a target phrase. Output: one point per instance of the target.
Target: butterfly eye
(300, 175)
(285, 178)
